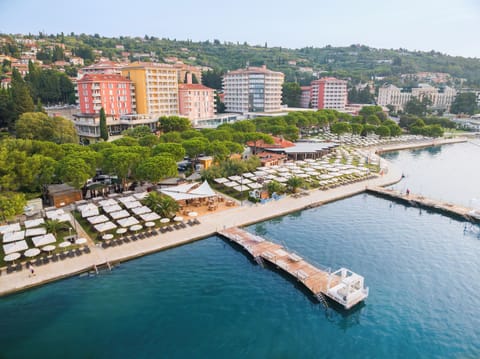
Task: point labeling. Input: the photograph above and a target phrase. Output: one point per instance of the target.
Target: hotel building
(329, 93)
(196, 102)
(253, 89)
(441, 99)
(112, 92)
(156, 88)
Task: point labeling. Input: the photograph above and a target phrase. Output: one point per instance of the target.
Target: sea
(208, 299)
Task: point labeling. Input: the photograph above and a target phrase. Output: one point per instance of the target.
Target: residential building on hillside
(306, 96)
(441, 98)
(329, 93)
(101, 67)
(196, 102)
(188, 71)
(253, 89)
(156, 88)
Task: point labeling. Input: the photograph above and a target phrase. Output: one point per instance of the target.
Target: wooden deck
(422, 201)
(313, 278)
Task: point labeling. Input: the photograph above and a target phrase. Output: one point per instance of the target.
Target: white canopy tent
(187, 191)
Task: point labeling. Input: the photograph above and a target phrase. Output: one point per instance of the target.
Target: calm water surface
(208, 300)
(449, 173)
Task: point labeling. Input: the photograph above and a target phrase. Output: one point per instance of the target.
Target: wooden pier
(319, 282)
(416, 200)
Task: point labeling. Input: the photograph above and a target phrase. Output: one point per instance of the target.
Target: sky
(447, 26)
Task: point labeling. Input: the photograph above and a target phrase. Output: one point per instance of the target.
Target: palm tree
(294, 182)
(168, 207)
(54, 226)
(165, 206)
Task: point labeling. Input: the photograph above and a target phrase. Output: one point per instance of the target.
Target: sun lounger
(86, 250)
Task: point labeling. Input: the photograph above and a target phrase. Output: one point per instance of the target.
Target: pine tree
(103, 125)
(22, 101)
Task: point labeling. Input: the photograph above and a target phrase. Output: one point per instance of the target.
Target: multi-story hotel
(392, 95)
(329, 93)
(156, 88)
(114, 93)
(196, 102)
(253, 89)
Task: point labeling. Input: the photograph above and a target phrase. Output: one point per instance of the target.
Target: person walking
(30, 268)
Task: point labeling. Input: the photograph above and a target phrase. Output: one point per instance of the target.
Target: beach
(209, 224)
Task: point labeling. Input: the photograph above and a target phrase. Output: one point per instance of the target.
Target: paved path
(210, 224)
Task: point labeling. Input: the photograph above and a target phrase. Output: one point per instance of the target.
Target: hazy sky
(448, 26)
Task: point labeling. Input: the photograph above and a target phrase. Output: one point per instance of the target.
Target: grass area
(241, 196)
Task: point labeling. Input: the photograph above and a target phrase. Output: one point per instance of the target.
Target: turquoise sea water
(208, 300)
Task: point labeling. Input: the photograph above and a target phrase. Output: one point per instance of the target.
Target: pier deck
(316, 280)
(422, 201)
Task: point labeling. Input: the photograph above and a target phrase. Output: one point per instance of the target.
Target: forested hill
(355, 61)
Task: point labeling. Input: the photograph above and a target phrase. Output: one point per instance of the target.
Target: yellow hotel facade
(156, 88)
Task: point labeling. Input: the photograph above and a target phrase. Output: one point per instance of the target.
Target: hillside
(358, 62)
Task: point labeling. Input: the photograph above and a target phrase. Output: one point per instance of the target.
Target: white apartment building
(329, 93)
(392, 95)
(253, 89)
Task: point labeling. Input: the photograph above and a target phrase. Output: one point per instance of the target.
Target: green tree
(465, 103)
(195, 147)
(22, 100)
(356, 128)
(148, 140)
(7, 110)
(38, 126)
(156, 168)
(138, 131)
(175, 149)
(126, 141)
(340, 128)
(416, 107)
(74, 171)
(54, 226)
(11, 204)
(103, 125)
(171, 137)
(122, 161)
(275, 187)
(218, 150)
(291, 93)
(165, 206)
(174, 123)
(293, 183)
(383, 131)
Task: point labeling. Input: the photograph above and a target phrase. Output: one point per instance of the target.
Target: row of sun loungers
(148, 234)
(43, 260)
(132, 238)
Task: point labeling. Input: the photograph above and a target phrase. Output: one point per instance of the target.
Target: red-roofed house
(196, 101)
(271, 159)
(278, 142)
